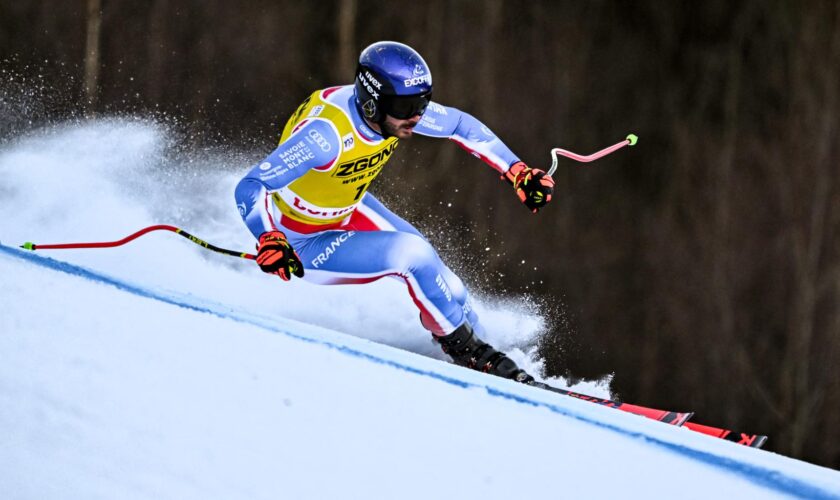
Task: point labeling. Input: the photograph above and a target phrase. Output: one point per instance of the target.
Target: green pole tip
(633, 139)
(28, 245)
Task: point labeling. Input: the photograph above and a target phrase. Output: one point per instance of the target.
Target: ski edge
(742, 438)
(669, 417)
(678, 419)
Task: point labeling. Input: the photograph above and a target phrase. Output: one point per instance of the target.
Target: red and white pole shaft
(556, 152)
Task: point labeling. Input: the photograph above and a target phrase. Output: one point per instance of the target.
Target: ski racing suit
(313, 187)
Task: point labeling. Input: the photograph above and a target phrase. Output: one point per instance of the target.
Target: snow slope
(161, 370)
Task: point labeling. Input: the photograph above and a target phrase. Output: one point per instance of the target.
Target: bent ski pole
(108, 244)
(629, 141)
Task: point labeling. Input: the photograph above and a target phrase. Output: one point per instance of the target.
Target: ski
(751, 440)
(668, 417)
(679, 419)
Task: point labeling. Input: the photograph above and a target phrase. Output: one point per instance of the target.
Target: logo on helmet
(417, 80)
(373, 80)
(367, 84)
(369, 107)
(418, 70)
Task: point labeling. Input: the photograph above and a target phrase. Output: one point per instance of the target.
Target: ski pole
(629, 141)
(108, 244)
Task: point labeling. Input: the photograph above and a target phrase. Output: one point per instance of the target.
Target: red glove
(276, 256)
(533, 186)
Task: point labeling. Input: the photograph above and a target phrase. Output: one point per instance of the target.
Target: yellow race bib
(328, 194)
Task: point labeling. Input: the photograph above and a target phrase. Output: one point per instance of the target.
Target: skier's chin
(401, 132)
(405, 132)
(401, 129)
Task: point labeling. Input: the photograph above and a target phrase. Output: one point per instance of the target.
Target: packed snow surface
(161, 370)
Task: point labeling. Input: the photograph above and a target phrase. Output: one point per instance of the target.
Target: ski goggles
(405, 107)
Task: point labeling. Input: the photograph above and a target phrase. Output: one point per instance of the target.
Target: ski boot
(468, 350)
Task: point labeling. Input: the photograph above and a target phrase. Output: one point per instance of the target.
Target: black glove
(533, 186)
(276, 256)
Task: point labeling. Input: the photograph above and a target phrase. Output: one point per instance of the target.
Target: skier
(309, 207)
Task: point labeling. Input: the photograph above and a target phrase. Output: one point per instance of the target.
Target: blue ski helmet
(392, 79)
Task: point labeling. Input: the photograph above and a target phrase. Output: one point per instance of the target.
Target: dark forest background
(700, 267)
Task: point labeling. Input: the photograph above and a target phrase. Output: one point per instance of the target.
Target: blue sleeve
(468, 132)
(314, 144)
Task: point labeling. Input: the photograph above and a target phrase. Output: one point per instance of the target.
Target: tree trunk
(94, 24)
(347, 49)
